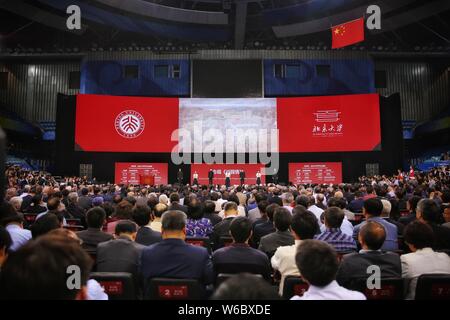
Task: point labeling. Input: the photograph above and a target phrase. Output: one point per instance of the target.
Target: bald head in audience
(371, 236)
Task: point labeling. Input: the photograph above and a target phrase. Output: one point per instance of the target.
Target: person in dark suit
(145, 234)
(209, 212)
(37, 205)
(122, 254)
(411, 206)
(175, 203)
(180, 176)
(282, 219)
(28, 194)
(210, 176)
(84, 201)
(357, 204)
(264, 226)
(354, 266)
(429, 212)
(239, 257)
(94, 235)
(222, 229)
(74, 210)
(173, 257)
(242, 176)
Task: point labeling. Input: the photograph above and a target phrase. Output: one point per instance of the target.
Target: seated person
(245, 287)
(318, 265)
(428, 211)
(121, 254)
(5, 245)
(158, 211)
(282, 219)
(354, 265)
(446, 215)
(264, 226)
(91, 237)
(19, 272)
(197, 226)
(373, 207)
(123, 211)
(145, 234)
(13, 222)
(411, 206)
(209, 208)
(45, 224)
(239, 256)
(333, 235)
(304, 226)
(422, 260)
(173, 257)
(240, 208)
(222, 229)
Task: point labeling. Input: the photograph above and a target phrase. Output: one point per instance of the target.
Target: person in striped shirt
(333, 235)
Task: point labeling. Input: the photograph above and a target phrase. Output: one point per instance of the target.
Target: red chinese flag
(347, 33)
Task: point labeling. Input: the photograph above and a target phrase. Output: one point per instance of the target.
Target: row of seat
(120, 286)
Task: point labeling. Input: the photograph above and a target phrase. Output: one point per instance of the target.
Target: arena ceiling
(34, 26)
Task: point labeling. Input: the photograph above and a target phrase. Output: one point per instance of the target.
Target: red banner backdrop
(131, 173)
(327, 124)
(125, 124)
(220, 169)
(315, 172)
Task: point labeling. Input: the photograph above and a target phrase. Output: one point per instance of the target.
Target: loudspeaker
(2, 163)
(74, 80)
(380, 79)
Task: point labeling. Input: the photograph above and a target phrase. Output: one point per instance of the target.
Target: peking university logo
(129, 124)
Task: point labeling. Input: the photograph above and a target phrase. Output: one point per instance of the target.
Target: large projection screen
(250, 125)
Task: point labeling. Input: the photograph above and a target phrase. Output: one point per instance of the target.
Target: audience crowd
(326, 235)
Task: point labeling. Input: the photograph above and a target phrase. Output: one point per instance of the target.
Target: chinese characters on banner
(130, 173)
(315, 172)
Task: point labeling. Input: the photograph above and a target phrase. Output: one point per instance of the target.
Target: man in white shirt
(423, 260)
(309, 203)
(318, 264)
(13, 223)
(235, 199)
(304, 226)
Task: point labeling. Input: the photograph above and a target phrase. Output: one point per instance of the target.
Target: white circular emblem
(129, 124)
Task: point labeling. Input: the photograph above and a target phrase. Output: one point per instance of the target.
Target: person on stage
(275, 176)
(195, 178)
(412, 175)
(210, 176)
(227, 179)
(258, 178)
(242, 176)
(180, 176)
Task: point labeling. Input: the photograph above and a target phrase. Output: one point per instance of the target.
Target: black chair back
(174, 289)
(294, 286)
(201, 242)
(222, 277)
(390, 289)
(225, 241)
(235, 268)
(74, 228)
(73, 222)
(118, 285)
(433, 286)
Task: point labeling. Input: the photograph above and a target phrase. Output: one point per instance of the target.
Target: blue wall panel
(346, 77)
(107, 77)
